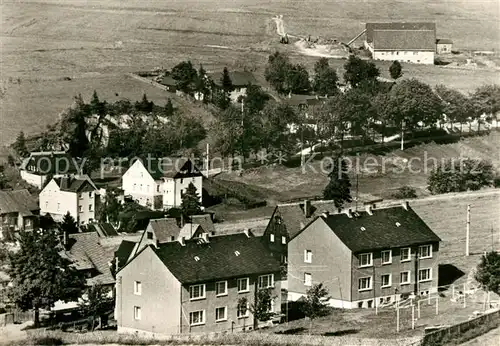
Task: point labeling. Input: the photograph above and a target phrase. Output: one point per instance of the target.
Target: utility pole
(402, 134)
(397, 319)
(465, 296)
(437, 304)
(412, 315)
(208, 160)
(467, 231)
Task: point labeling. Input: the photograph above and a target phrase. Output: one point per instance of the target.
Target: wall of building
(87, 202)
(159, 300)
(168, 191)
(331, 262)
(444, 48)
(416, 57)
(33, 179)
(57, 202)
(138, 183)
(181, 185)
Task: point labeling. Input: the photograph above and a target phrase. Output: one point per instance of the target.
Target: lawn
(96, 42)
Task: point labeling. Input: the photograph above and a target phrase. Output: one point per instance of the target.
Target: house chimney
(349, 212)
(406, 205)
(182, 240)
(247, 232)
(205, 237)
(307, 208)
(369, 210)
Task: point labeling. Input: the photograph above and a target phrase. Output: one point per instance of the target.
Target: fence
(437, 337)
(15, 317)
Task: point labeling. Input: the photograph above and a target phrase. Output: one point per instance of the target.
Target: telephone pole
(467, 234)
(402, 135)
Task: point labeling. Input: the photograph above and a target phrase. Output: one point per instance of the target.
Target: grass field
(96, 42)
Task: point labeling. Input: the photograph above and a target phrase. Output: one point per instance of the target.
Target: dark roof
(171, 168)
(205, 221)
(124, 250)
(218, 258)
(309, 100)
(103, 229)
(49, 162)
(401, 36)
(17, 201)
(72, 184)
(444, 41)
(164, 229)
(380, 229)
(168, 80)
(238, 78)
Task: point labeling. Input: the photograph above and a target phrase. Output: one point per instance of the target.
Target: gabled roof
(223, 257)
(165, 229)
(75, 184)
(49, 162)
(85, 249)
(189, 230)
(124, 251)
(103, 229)
(401, 36)
(384, 229)
(17, 201)
(170, 168)
(205, 221)
(238, 78)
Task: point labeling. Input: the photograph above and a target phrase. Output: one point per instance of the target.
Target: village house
(78, 196)
(444, 46)
(160, 184)
(240, 80)
(404, 42)
(195, 286)
(18, 211)
(43, 165)
(375, 256)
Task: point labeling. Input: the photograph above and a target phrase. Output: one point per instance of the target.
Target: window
(197, 317)
(80, 208)
(308, 255)
(284, 259)
(150, 235)
(90, 194)
(137, 312)
(405, 254)
(424, 275)
(220, 314)
(243, 285)
(425, 251)
(307, 279)
(404, 278)
(197, 292)
(386, 280)
(46, 205)
(140, 187)
(271, 238)
(365, 259)
(137, 288)
(283, 239)
(365, 284)
(90, 207)
(387, 257)
(58, 206)
(221, 288)
(266, 281)
(157, 188)
(242, 310)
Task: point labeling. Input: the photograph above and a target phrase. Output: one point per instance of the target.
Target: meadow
(96, 42)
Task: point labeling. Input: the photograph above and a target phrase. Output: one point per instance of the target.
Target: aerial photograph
(250, 172)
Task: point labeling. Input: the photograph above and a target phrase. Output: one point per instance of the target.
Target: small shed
(444, 46)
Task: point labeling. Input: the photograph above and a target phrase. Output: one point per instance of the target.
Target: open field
(46, 40)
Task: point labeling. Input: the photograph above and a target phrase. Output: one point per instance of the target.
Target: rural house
(365, 258)
(18, 211)
(404, 42)
(159, 184)
(444, 46)
(195, 286)
(78, 196)
(43, 165)
(240, 80)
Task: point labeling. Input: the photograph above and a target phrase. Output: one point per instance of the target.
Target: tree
(110, 209)
(254, 100)
(339, 186)
(169, 108)
(357, 109)
(274, 133)
(488, 272)
(68, 224)
(314, 304)
(191, 204)
(20, 145)
(40, 275)
(395, 70)
(297, 80)
(228, 132)
(456, 106)
(95, 303)
(276, 71)
(358, 70)
(73, 128)
(486, 100)
(144, 105)
(405, 192)
(185, 76)
(96, 106)
(325, 78)
(226, 82)
(458, 175)
(202, 83)
(261, 307)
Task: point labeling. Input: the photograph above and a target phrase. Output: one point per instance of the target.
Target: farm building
(444, 46)
(404, 42)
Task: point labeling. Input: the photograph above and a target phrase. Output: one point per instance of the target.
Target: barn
(404, 42)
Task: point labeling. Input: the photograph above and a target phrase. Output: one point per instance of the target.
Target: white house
(239, 79)
(404, 42)
(41, 165)
(78, 196)
(159, 184)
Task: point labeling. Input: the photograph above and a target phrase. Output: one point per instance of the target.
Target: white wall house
(41, 165)
(78, 196)
(160, 186)
(240, 80)
(404, 42)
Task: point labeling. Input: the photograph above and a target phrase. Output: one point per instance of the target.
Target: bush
(47, 340)
(496, 182)
(405, 192)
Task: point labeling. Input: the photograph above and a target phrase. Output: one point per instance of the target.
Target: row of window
(80, 207)
(366, 283)
(366, 259)
(199, 291)
(397, 53)
(147, 187)
(283, 239)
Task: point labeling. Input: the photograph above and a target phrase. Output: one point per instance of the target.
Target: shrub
(47, 340)
(405, 192)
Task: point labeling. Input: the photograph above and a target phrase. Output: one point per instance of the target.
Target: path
(492, 338)
(12, 332)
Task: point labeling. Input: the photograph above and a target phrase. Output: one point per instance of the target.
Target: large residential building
(364, 258)
(18, 211)
(196, 285)
(404, 42)
(78, 196)
(41, 165)
(159, 184)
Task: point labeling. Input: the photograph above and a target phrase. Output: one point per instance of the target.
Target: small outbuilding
(444, 46)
